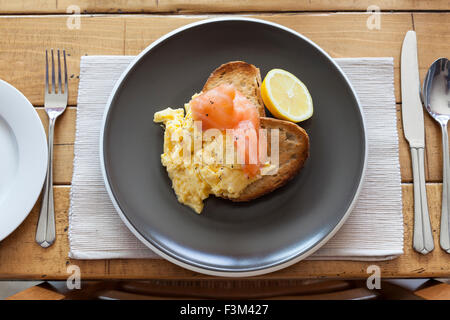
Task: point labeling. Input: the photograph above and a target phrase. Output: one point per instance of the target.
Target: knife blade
(412, 113)
(413, 127)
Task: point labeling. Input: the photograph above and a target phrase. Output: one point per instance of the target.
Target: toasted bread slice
(294, 150)
(293, 140)
(244, 76)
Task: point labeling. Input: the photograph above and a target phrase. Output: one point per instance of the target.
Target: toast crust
(294, 150)
(244, 76)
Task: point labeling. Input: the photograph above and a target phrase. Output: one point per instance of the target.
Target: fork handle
(445, 216)
(423, 236)
(45, 233)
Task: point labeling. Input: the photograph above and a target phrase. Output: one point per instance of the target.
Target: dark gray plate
(227, 238)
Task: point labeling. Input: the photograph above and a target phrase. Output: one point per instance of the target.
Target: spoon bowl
(436, 100)
(436, 90)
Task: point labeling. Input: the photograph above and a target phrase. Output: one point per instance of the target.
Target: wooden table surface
(28, 27)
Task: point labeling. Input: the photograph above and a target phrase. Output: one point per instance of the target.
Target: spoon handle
(423, 236)
(445, 232)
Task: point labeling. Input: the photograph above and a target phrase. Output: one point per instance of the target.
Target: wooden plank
(22, 258)
(28, 6)
(36, 293)
(24, 41)
(62, 164)
(65, 125)
(202, 6)
(433, 41)
(439, 291)
(27, 255)
(433, 38)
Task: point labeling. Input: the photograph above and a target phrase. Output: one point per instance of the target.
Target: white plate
(23, 158)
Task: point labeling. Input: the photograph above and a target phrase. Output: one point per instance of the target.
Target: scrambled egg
(197, 175)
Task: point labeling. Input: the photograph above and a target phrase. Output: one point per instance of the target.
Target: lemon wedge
(286, 97)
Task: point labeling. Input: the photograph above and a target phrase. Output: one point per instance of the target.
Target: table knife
(413, 128)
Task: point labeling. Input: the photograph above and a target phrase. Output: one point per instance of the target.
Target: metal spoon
(436, 99)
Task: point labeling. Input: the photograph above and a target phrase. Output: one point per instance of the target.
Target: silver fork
(55, 104)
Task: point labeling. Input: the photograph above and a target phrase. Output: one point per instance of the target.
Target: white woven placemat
(374, 230)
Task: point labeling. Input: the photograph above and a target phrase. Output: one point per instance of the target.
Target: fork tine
(66, 86)
(53, 75)
(59, 74)
(46, 71)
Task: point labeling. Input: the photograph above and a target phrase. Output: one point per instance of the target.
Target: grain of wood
(62, 164)
(22, 258)
(65, 125)
(27, 6)
(437, 292)
(142, 31)
(22, 255)
(36, 293)
(24, 40)
(201, 6)
(433, 37)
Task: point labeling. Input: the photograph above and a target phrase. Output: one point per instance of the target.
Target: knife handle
(423, 236)
(445, 216)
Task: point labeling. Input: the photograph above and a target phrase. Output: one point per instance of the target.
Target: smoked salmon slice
(225, 108)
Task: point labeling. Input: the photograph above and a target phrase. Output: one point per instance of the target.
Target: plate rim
(213, 272)
(25, 201)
